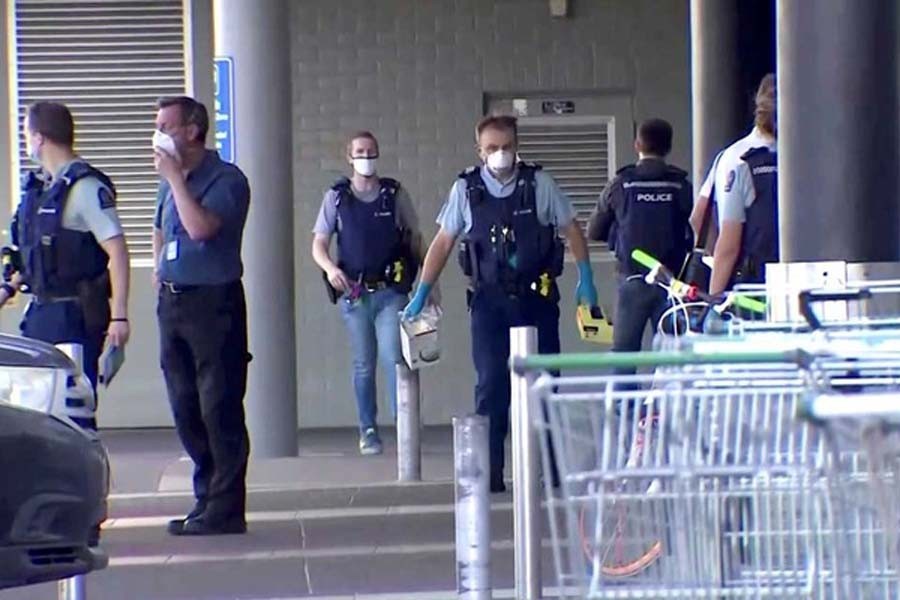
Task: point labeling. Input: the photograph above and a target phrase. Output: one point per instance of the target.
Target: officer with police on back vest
(646, 206)
(743, 187)
(510, 215)
(379, 251)
(69, 249)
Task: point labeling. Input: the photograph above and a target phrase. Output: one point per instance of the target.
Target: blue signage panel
(223, 77)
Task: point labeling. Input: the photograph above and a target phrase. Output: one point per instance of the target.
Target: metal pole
(256, 36)
(526, 482)
(73, 588)
(471, 461)
(409, 445)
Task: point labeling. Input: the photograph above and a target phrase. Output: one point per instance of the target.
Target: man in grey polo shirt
(201, 210)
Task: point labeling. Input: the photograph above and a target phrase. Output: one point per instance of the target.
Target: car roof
(16, 351)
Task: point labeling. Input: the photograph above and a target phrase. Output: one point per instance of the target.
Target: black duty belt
(55, 299)
(544, 287)
(374, 286)
(177, 288)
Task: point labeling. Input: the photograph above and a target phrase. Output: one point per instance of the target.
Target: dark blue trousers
(63, 323)
(493, 313)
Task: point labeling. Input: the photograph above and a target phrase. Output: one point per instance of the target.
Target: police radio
(11, 259)
(333, 294)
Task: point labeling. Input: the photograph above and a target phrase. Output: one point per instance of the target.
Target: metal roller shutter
(108, 60)
(577, 151)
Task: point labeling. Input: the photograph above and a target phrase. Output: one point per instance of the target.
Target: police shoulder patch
(729, 180)
(107, 200)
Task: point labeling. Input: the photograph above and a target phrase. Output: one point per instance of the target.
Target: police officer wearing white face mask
(510, 215)
(378, 255)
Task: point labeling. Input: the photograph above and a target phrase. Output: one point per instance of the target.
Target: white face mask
(164, 142)
(34, 155)
(499, 160)
(365, 166)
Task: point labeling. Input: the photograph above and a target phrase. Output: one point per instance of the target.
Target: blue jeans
(374, 326)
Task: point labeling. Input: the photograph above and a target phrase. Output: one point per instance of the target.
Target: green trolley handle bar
(749, 303)
(609, 360)
(740, 300)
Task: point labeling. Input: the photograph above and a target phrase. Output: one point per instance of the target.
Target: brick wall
(416, 72)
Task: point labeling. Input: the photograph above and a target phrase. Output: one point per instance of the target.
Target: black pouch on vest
(332, 293)
(94, 294)
(465, 258)
(695, 271)
(559, 257)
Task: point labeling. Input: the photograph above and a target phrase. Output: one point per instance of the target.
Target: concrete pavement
(327, 524)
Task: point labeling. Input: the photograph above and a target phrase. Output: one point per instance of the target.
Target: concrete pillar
(715, 84)
(837, 130)
(199, 50)
(255, 35)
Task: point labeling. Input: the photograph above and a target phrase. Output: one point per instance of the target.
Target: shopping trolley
(692, 481)
(749, 309)
(860, 419)
(852, 392)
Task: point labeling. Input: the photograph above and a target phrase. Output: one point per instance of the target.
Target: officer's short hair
(655, 136)
(192, 113)
(362, 134)
(501, 122)
(766, 103)
(53, 121)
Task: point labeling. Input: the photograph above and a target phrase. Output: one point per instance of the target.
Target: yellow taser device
(592, 325)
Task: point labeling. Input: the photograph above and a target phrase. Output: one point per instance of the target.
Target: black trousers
(203, 338)
(493, 313)
(638, 303)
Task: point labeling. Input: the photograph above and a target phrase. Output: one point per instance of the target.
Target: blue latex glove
(585, 292)
(415, 306)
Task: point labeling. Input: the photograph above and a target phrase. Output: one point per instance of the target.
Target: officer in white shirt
(743, 185)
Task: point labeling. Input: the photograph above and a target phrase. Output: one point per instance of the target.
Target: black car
(55, 474)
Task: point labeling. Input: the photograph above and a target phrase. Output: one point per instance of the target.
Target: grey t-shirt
(328, 221)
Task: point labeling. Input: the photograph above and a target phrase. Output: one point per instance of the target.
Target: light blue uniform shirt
(552, 204)
(732, 177)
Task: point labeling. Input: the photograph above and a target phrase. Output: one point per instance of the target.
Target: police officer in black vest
(510, 215)
(379, 251)
(646, 206)
(744, 187)
(73, 255)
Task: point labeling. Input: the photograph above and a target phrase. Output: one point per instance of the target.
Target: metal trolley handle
(809, 297)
